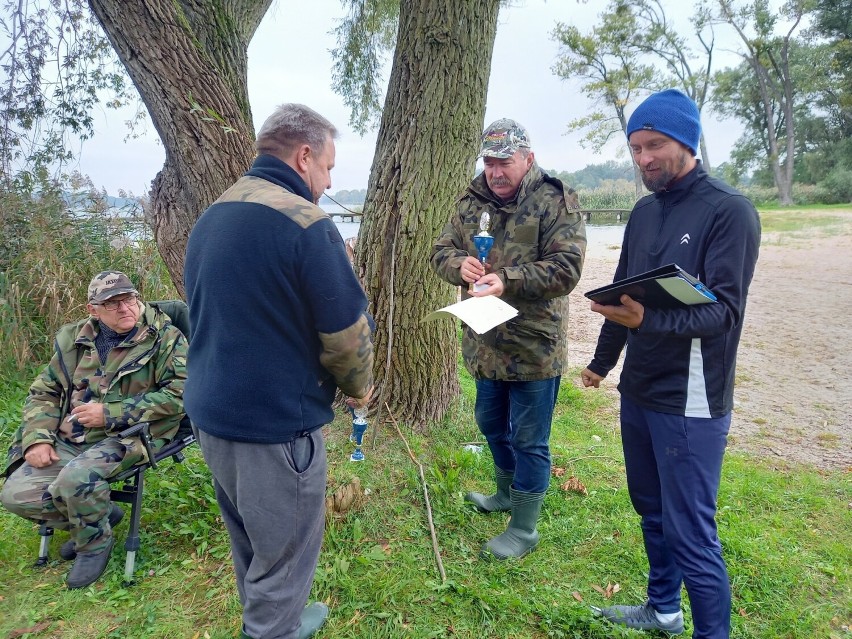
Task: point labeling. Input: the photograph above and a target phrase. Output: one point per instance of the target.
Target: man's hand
(90, 415)
(359, 402)
(629, 314)
(590, 378)
(493, 284)
(471, 269)
(41, 455)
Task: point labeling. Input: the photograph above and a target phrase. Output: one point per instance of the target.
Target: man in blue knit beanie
(677, 383)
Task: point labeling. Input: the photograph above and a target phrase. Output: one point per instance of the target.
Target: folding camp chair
(132, 480)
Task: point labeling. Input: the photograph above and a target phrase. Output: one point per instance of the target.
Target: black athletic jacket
(682, 361)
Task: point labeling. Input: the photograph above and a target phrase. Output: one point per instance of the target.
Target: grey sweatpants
(275, 517)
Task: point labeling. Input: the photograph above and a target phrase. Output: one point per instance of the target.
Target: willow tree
(691, 73)
(611, 73)
(768, 58)
(425, 155)
(188, 59)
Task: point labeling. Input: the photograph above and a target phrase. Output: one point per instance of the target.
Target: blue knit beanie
(670, 112)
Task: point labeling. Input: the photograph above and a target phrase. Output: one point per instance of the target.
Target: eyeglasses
(113, 305)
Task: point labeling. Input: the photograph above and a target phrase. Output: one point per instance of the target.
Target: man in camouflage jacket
(535, 261)
(123, 365)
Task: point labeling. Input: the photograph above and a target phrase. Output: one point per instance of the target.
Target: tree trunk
(637, 173)
(637, 177)
(705, 158)
(786, 195)
(193, 83)
(427, 144)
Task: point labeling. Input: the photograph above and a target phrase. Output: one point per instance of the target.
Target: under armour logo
(672, 452)
(685, 239)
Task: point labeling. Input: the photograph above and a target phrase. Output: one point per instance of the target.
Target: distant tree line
(594, 176)
(344, 196)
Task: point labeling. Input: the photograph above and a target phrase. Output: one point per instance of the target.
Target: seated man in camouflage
(123, 365)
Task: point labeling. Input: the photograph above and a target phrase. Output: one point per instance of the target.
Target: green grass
(786, 534)
(793, 224)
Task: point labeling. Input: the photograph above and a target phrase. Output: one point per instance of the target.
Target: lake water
(598, 235)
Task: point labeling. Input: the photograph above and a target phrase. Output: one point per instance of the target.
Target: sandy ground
(793, 397)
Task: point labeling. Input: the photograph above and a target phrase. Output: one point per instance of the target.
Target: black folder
(668, 286)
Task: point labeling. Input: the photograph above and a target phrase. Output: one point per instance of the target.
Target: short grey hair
(290, 126)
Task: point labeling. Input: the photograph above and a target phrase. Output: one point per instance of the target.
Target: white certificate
(480, 313)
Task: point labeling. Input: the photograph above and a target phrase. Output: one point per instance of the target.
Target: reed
(54, 242)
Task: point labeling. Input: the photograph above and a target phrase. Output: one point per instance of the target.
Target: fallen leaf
(20, 632)
(574, 485)
(577, 596)
(742, 612)
(609, 591)
(557, 472)
(345, 497)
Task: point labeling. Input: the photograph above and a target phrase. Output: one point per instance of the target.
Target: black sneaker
(68, 550)
(642, 617)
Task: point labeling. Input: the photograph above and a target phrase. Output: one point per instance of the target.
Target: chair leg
(132, 543)
(45, 533)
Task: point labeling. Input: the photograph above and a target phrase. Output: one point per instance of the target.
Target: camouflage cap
(503, 138)
(107, 284)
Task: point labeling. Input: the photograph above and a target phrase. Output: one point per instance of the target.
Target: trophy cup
(359, 426)
(483, 243)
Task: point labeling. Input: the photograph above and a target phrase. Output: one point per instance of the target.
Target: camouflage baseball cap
(503, 138)
(107, 284)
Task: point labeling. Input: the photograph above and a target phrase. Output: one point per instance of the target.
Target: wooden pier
(346, 217)
(619, 215)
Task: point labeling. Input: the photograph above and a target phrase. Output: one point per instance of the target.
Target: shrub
(612, 194)
(837, 186)
(53, 244)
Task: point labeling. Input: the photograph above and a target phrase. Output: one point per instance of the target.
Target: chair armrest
(142, 430)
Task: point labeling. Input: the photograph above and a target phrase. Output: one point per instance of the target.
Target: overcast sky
(290, 61)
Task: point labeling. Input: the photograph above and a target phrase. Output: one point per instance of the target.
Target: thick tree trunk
(193, 83)
(427, 143)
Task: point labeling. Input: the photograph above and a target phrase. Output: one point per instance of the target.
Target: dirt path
(793, 398)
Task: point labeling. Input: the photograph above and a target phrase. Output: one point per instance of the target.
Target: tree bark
(193, 82)
(425, 156)
(705, 158)
(637, 172)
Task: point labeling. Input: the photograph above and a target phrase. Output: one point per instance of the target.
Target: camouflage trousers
(71, 494)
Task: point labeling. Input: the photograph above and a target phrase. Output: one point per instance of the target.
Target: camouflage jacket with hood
(141, 381)
(538, 251)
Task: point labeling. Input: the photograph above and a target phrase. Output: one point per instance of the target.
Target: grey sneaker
(642, 617)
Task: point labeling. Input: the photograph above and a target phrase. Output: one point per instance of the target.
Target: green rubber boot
(499, 502)
(313, 617)
(521, 536)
